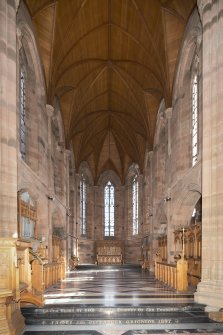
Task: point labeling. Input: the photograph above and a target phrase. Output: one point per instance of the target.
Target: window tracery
(195, 119)
(135, 206)
(22, 115)
(109, 209)
(83, 205)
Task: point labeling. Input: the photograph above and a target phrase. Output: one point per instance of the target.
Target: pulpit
(109, 252)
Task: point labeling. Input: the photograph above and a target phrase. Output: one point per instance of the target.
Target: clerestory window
(194, 120)
(109, 209)
(135, 206)
(83, 205)
(22, 115)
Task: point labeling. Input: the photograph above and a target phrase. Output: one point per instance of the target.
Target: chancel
(111, 166)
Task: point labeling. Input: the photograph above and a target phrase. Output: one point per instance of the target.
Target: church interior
(111, 167)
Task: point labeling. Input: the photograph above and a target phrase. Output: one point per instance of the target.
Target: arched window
(27, 216)
(109, 209)
(22, 115)
(83, 205)
(194, 119)
(135, 206)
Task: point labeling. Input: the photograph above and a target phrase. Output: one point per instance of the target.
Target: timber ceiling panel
(110, 63)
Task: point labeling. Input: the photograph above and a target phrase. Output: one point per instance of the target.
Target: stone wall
(46, 172)
(172, 184)
(123, 215)
(210, 290)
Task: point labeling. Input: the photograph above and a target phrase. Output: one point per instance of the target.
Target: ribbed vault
(110, 62)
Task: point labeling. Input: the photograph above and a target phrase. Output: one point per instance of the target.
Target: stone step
(75, 332)
(101, 309)
(91, 315)
(117, 321)
(182, 331)
(96, 267)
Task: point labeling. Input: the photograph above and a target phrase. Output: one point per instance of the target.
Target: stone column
(140, 204)
(94, 227)
(69, 211)
(77, 213)
(147, 210)
(51, 196)
(168, 113)
(8, 161)
(10, 317)
(210, 291)
(153, 241)
(50, 111)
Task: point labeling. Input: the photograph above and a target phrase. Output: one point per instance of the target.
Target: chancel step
(122, 300)
(64, 309)
(92, 315)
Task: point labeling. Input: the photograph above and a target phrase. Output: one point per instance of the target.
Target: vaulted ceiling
(110, 63)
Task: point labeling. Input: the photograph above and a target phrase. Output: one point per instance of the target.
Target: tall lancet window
(22, 115)
(194, 120)
(83, 205)
(109, 209)
(135, 206)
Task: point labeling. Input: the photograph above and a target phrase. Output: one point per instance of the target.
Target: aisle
(116, 300)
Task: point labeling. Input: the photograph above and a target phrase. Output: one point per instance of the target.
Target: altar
(109, 252)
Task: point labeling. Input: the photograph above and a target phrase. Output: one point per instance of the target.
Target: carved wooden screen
(27, 216)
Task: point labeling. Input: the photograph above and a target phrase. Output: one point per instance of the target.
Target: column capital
(19, 37)
(168, 112)
(61, 147)
(49, 110)
(199, 38)
(67, 153)
(150, 155)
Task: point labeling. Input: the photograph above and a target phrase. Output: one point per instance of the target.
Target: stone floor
(121, 300)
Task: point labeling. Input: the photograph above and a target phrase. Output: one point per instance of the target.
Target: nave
(116, 300)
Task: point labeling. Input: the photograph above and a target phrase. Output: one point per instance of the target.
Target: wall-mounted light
(167, 198)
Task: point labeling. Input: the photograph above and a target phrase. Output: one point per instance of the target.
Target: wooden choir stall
(35, 271)
(187, 267)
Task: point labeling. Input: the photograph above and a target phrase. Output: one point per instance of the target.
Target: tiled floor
(114, 301)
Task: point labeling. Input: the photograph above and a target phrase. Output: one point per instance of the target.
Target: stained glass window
(109, 209)
(83, 205)
(22, 116)
(195, 120)
(135, 205)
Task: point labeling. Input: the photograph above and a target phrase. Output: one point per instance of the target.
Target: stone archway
(188, 199)
(181, 212)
